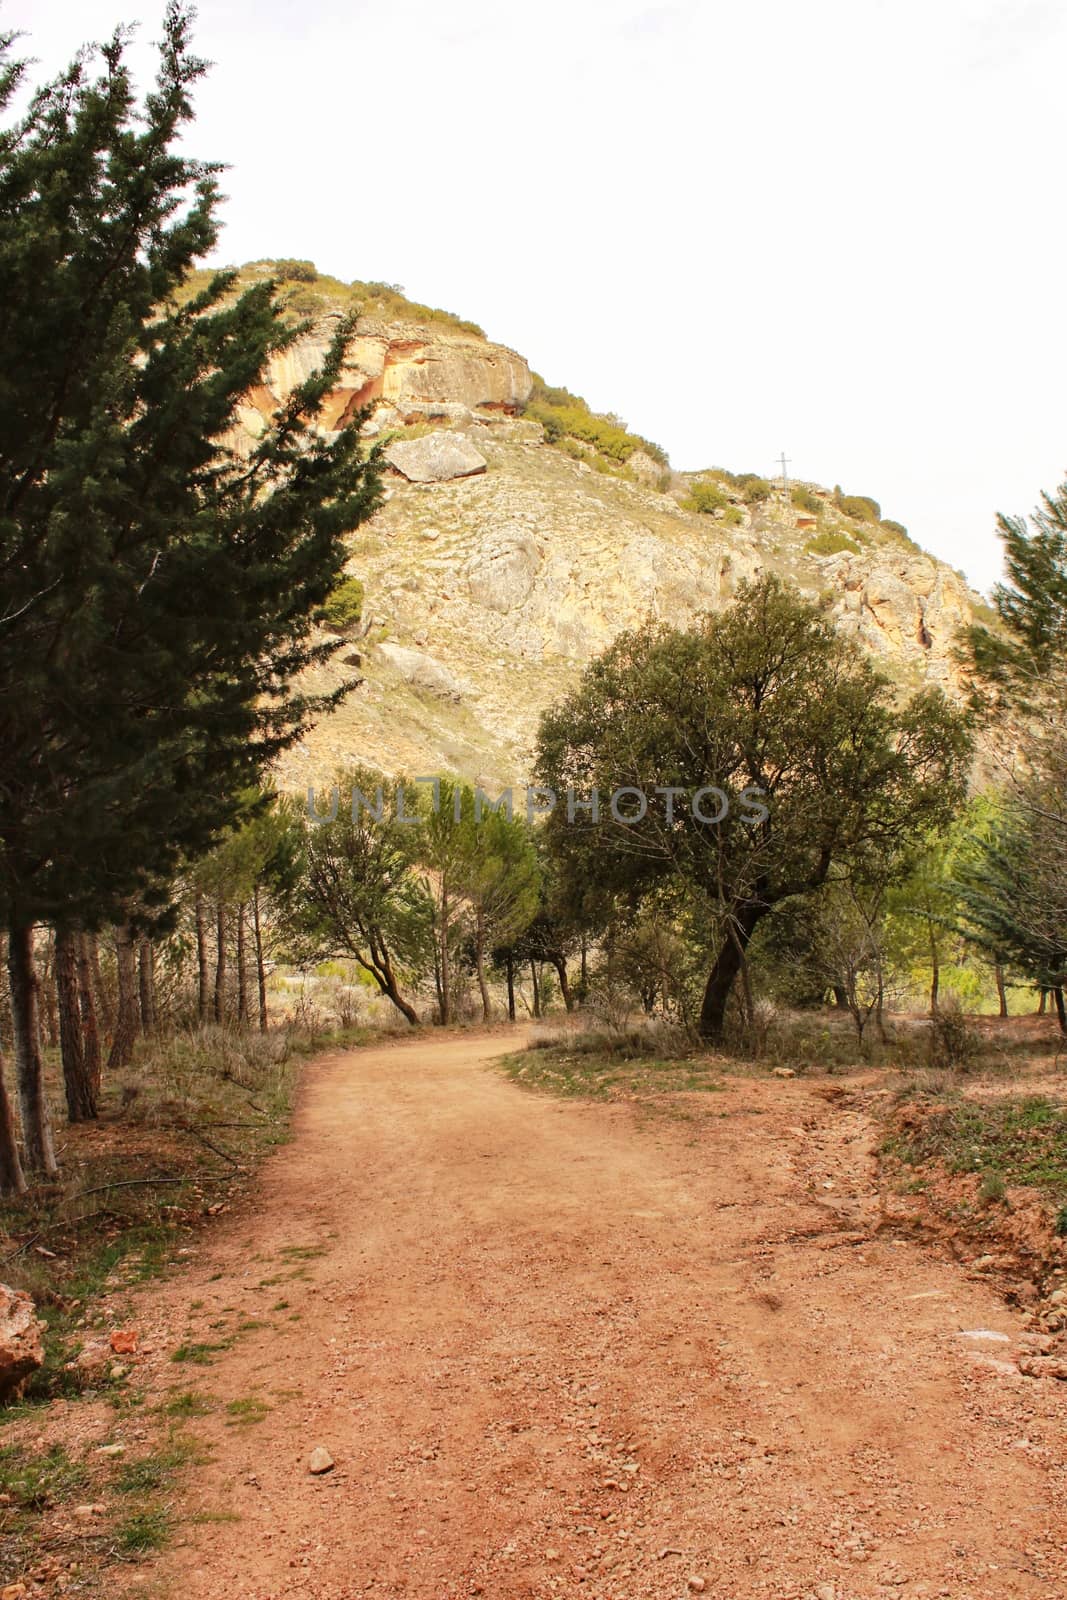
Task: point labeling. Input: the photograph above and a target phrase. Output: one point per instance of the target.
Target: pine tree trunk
(103, 996)
(220, 961)
(437, 978)
(1061, 1009)
(536, 989)
(242, 976)
(935, 975)
(840, 996)
(446, 975)
(203, 1003)
(128, 1019)
(29, 1067)
(585, 964)
(87, 1007)
(261, 976)
(146, 985)
(81, 1102)
(47, 987)
(1002, 992)
(1042, 1003)
(12, 1177)
(479, 963)
(510, 961)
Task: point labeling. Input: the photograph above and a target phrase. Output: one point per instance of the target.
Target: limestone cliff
(410, 373)
(487, 594)
(501, 563)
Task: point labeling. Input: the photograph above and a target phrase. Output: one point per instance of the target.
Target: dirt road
(559, 1348)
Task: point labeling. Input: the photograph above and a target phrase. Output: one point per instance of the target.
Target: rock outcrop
(409, 372)
(434, 458)
(21, 1350)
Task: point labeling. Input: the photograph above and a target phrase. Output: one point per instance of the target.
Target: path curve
(560, 1348)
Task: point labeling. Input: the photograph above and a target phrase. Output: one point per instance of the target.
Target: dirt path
(567, 1349)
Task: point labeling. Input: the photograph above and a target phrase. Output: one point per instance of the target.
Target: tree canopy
(767, 706)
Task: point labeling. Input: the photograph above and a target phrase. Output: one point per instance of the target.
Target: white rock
(435, 458)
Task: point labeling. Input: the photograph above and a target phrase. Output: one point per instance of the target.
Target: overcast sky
(832, 228)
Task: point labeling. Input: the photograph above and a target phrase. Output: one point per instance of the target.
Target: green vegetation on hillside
(567, 416)
(343, 607)
(310, 292)
(831, 543)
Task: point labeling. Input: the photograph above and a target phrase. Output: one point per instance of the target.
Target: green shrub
(344, 606)
(951, 1042)
(804, 500)
(733, 517)
(290, 271)
(831, 543)
(565, 415)
(388, 300)
(705, 497)
(860, 507)
(992, 1188)
(753, 488)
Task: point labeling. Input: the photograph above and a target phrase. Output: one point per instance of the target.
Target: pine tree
(157, 587)
(1012, 662)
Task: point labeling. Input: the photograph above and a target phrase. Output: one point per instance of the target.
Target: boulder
(424, 672)
(435, 458)
(21, 1350)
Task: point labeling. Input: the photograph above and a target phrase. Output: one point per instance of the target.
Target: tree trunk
(81, 1101)
(220, 961)
(721, 979)
(479, 966)
(129, 1016)
(261, 976)
(935, 977)
(12, 1177)
(446, 975)
(536, 989)
(29, 1067)
(879, 1008)
(146, 978)
(560, 964)
(242, 975)
(203, 970)
(585, 964)
(47, 986)
(390, 990)
(87, 1007)
(1042, 1003)
(103, 996)
(1061, 1010)
(510, 968)
(1002, 992)
(437, 978)
(840, 996)
(749, 1004)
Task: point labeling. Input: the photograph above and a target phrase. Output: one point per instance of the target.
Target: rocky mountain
(518, 537)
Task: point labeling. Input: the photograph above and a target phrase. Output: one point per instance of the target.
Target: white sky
(833, 228)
